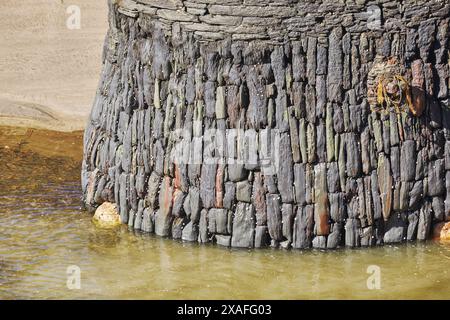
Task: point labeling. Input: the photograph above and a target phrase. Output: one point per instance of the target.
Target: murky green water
(43, 232)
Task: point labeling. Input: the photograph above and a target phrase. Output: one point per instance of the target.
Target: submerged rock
(441, 232)
(107, 216)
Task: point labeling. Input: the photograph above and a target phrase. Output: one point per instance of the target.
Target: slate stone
(274, 217)
(287, 213)
(229, 197)
(244, 191)
(436, 178)
(408, 161)
(352, 236)
(334, 239)
(395, 229)
(223, 240)
(321, 203)
(262, 237)
(303, 227)
(190, 232)
(413, 221)
(285, 170)
(425, 217)
(243, 234)
(385, 184)
(203, 233)
(147, 221)
(319, 242)
(163, 218)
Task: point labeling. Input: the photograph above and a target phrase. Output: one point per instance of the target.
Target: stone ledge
(285, 18)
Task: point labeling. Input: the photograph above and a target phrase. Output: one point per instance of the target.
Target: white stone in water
(107, 216)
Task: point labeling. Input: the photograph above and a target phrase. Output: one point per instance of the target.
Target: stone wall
(269, 103)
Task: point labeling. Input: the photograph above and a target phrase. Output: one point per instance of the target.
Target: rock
(321, 204)
(163, 218)
(222, 240)
(243, 234)
(385, 185)
(424, 226)
(395, 229)
(244, 191)
(190, 232)
(303, 227)
(319, 242)
(203, 234)
(441, 232)
(408, 161)
(334, 239)
(148, 223)
(352, 236)
(274, 217)
(436, 178)
(107, 216)
(262, 238)
(285, 169)
(207, 112)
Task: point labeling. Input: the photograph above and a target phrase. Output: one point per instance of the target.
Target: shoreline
(31, 115)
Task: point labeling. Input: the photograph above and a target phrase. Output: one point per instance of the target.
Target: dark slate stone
(377, 208)
(203, 234)
(178, 225)
(321, 203)
(259, 199)
(229, 197)
(335, 65)
(208, 185)
(413, 221)
(223, 240)
(244, 191)
(333, 181)
(425, 218)
(319, 242)
(300, 184)
(163, 219)
(178, 202)
(395, 229)
(243, 226)
(416, 195)
(367, 238)
(353, 155)
(147, 224)
(274, 217)
(436, 176)
(334, 239)
(303, 227)
(285, 168)
(195, 204)
(352, 236)
(262, 238)
(408, 161)
(437, 204)
(395, 163)
(190, 232)
(287, 213)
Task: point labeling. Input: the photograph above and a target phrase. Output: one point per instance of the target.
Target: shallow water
(43, 232)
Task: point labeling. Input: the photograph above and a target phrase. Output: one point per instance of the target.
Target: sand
(48, 72)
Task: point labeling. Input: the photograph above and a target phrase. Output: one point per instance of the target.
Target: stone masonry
(308, 162)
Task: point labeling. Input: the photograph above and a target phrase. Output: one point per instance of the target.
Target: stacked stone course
(348, 176)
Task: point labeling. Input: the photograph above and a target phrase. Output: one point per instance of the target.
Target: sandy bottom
(48, 72)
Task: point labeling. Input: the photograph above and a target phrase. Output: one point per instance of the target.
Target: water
(43, 232)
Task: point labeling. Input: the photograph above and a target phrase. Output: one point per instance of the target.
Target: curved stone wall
(286, 123)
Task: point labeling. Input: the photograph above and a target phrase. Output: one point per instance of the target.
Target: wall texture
(334, 117)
